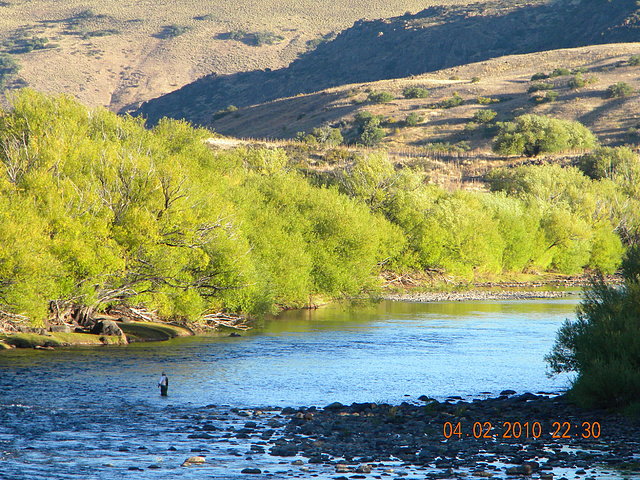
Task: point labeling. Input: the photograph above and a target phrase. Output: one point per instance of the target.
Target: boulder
(252, 471)
(60, 329)
(193, 461)
(107, 327)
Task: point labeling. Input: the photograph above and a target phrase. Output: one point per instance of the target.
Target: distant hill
(116, 53)
(435, 38)
(502, 85)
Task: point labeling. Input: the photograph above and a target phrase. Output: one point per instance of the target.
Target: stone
(252, 471)
(107, 327)
(342, 468)
(234, 334)
(334, 406)
(193, 461)
(524, 469)
(508, 392)
(60, 328)
(363, 469)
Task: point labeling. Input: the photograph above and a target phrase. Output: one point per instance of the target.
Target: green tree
(532, 135)
(415, 92)
(619, 90)
(603, 344)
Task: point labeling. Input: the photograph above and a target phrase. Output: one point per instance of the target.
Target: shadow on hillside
(436, 38)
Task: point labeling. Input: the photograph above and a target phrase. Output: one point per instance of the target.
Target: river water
(96, 412)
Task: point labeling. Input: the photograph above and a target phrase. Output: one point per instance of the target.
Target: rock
(508, 392)
(234, 334)
(297, 462)
(60, 328)
(252, 471)
(203, 436)
(483, 474)
(5, 346)
(288, 411)
(193, 461)
(363, 469)
(524, 469)
(43, 347)
(342, 468)
(107, 327)
(334, 406)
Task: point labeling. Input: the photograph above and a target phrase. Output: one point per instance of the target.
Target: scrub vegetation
(97, 210)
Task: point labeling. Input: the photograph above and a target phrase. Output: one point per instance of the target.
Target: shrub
(8, 67)
(531, 135)
(560, 72)
(546, 97)
(475, 79)
(603, 344)
(577, 81)
(484, 116)
(367, 129)
(172, 31)
(487, 100)
(325, 135)
(415, 92)
(539, 76)
(619, 90)
(634, 60)
(380, 97)
(225, 111)
(536, 87)
(452, 101)
(413, 119)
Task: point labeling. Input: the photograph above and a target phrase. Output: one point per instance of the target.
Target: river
(96, 412)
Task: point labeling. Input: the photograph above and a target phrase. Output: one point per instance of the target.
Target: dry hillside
(505, 80)
(120, 53)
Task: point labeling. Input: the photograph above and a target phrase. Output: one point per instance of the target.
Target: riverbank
(510, 435)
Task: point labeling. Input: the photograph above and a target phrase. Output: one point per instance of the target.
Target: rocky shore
(508, 436)
(474, 295)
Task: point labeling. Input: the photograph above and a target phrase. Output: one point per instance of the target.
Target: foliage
(453, 101)
(634, 60)
(225, 111)
(367, 129)
(560, 72)
(619, 90)
(539, 76)
(380, 97)
(415, 92)
(603, 344)
(324, 135)
(484, 116)
(619, 164)
(536, 87)
(8, 66)
(546, 97)
(413, 119)
(487, 100)
(255, 39)
(95, 209)
(172, 31)
(531, 135)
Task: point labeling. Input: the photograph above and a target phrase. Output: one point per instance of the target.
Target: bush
(603, 344)
(531, 135)
(225, 111)
(324, 135)
(560, 72)
(634, 60)
(536, 87)
(172, 31)
(475, 79)
(539, 76)
(484, 116)
(451, 102)
(415, 92)
(487, 100)
(367, 129)
(413, 119)
(380, 97)
(8, 67)
(619, 90)
(546, 97)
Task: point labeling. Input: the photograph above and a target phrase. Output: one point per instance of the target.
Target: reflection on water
(341, 353)
(96, 412)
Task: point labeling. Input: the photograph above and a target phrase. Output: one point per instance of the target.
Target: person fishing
(163, 384)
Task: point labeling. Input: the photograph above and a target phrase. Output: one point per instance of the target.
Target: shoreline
(510, 435)
(124, 332)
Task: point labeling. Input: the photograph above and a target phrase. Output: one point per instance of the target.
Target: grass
(505, 85)
(145, 56)
(32, 340)
(152, 332)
